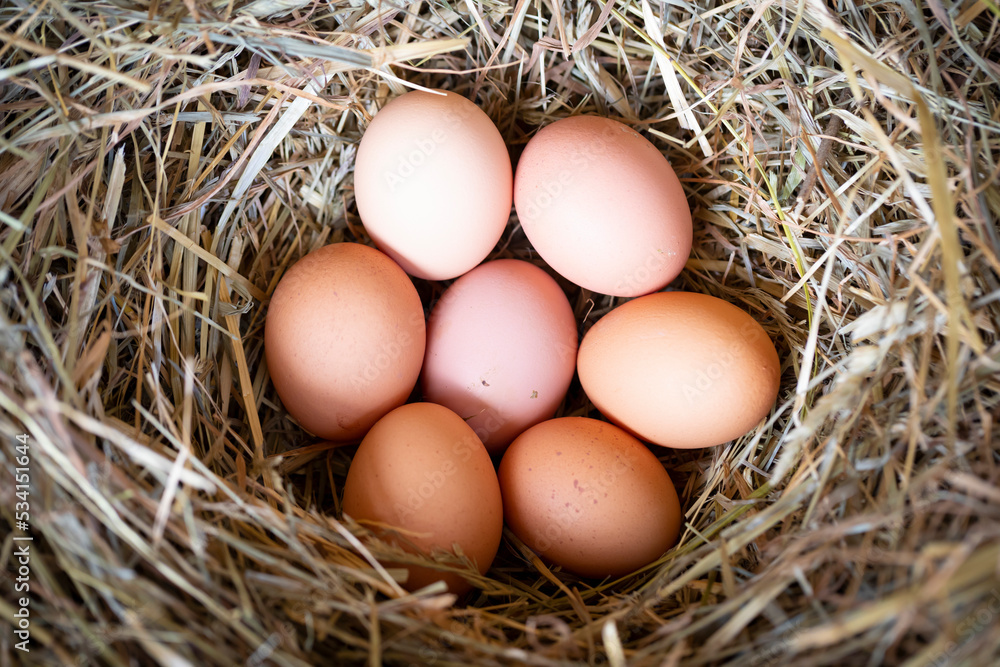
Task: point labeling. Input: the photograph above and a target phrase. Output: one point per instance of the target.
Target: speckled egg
(501, 349)
(586, 495)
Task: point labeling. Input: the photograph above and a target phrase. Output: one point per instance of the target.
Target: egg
(586, 495)
(501, 349)
(344, 339)
(602, 206)
(680, 369)
(433, 183)
(422, 469)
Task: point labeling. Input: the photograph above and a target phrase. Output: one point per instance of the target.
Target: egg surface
(586, 495)
(423, 470)
(433, 183)
(602, 206)
(501, 349)
(680, 369)
(344, 339)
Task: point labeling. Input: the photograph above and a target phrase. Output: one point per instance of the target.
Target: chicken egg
(433, 183)
(501, 349)
(344, 339)
(422, 469)
(680, 369)
(586, 495)
(602, 206)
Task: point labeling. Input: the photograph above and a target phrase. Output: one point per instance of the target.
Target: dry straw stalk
(163, 162)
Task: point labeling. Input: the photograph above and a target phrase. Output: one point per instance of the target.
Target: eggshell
(501, 349)
(586, 495)
(602, 206)
(680, 369)
(344, 339)
(423, 470)
(433, 183)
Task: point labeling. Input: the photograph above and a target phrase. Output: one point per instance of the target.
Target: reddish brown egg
(344, 339)
(586, 495)
(422, 469)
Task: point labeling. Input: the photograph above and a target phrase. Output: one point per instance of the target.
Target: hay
(162, 163)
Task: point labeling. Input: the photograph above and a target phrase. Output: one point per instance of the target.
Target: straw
(162, 164)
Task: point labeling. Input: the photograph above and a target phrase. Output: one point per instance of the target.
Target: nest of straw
(162, 163)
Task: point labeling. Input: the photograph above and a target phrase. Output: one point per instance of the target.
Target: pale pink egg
(602, 206)
(501, 349)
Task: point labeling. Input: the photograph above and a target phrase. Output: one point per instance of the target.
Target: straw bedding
(162, 163)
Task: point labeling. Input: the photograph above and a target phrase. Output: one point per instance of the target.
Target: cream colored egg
(433, 183)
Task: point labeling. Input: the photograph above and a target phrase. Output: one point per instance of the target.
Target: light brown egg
(680, 369)
(602, 206)
(344, 339)
(586, 495)
(501, 349)
(433, 183)
(422, 469)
